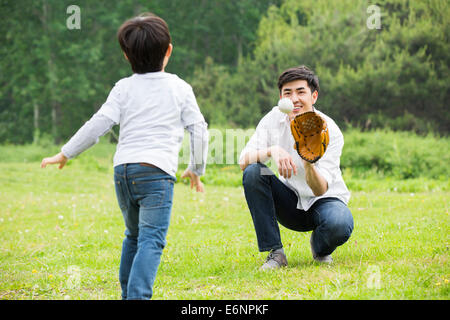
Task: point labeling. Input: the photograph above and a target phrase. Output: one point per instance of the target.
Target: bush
(401, 155)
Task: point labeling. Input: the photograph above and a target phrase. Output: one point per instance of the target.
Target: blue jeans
(145, 197)
(269, 201)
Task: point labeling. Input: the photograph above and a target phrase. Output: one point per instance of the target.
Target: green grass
(61, 235)
(61, 231)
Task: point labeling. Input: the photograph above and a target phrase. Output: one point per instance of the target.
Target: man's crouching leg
(257, 182)
(335, 225)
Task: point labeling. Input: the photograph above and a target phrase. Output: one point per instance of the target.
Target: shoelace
(270, 256)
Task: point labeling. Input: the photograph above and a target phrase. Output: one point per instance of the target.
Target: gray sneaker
(276, 259)
(323, 259)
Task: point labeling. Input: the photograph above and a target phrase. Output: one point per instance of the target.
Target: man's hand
(59, 158)
(195, 180)
(284, 161)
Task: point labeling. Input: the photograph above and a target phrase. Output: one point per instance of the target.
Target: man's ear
(315, 95)
(125, 55)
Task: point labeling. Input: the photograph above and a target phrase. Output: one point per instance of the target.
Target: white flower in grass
(373, 275)
(74, 279)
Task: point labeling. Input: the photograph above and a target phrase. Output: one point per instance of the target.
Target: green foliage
(210, 84)
(54, 79)
(399, 155)
(395, 77)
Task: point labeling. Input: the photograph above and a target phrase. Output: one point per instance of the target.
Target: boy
(152, 108)
(306, 196)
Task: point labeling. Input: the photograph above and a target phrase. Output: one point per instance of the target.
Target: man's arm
(286, 167)
(254, 156)
(320, 175)
(285, 163)
(314, 179)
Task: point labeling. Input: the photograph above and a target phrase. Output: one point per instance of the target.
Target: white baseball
(285, 105)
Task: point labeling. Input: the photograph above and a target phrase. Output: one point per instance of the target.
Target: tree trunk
(36, 132)
(51, 74)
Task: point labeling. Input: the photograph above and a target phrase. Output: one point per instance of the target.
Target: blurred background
(386, 67)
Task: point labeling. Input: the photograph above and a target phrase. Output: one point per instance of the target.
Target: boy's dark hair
(144, 39)
(299, 73)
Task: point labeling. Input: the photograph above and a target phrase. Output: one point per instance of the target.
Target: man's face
(300, 95)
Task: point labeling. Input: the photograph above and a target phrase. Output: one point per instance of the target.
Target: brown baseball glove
(311, 136)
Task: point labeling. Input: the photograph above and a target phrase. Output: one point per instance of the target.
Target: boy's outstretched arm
(58, 158)
(199, 153)
(86, 137)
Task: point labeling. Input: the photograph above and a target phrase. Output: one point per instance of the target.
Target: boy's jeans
(145, 197)
(270, 200)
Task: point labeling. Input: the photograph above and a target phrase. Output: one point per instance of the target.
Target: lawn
(61, 235)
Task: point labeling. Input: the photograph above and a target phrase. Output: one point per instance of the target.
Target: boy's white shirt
(274, 129)
(152, 109)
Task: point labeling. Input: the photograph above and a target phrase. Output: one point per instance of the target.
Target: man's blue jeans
(270, 200)
(145, 197)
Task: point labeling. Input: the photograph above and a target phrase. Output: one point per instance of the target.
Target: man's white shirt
(274, 130)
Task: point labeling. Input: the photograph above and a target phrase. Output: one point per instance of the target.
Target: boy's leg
(153, 191)
(130, 212)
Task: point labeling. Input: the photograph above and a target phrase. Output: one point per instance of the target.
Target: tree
(393, 76)
(54, 78)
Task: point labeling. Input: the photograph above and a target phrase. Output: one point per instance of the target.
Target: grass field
(61, 235)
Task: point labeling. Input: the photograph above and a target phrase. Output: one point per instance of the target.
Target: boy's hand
(195, 180)
(59, 158)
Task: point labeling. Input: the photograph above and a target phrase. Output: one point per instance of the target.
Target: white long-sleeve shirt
(274, 129)
(153, 109)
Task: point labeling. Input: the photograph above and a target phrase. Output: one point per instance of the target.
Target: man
(306, 196)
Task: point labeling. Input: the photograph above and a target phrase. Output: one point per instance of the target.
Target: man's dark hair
(299, 73)
(145, 39)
